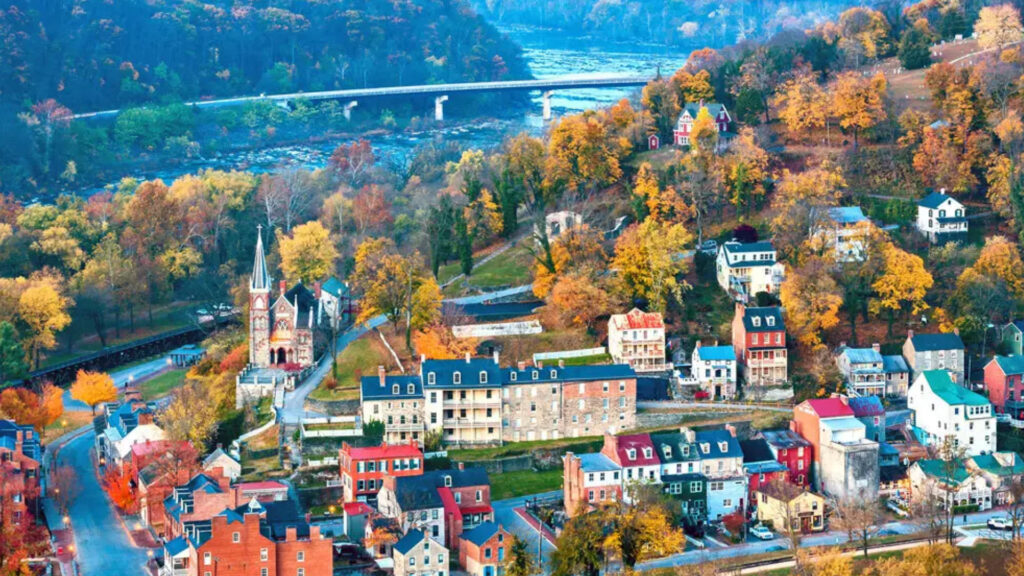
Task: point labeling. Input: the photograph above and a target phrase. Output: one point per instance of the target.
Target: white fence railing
(581, 353)
(346, 426)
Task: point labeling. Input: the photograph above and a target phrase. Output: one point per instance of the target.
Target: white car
(1000, 523)
(762, 532)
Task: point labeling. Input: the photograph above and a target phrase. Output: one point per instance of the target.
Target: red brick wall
(236, 559)
(318, 555)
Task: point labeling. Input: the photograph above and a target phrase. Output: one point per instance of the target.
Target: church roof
(260, 278)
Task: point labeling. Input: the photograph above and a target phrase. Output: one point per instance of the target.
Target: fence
(582, 353)
(333, 427)
(497, 330)
(321, 462)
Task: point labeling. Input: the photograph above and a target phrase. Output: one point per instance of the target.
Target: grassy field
(510, 268)
(359, 358)
(162, 384)
(68, 422)
(519, 448)
(514, 484)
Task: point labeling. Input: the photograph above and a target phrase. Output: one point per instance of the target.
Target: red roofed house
(20, 454)
(636, 455)
(684, 125)
(807, 417)
(845, 460)
(363, 469)
(1005, 388)
(637, 338)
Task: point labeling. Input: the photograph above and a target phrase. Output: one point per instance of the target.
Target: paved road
(103, 545)
(121, 378)
(729, 405)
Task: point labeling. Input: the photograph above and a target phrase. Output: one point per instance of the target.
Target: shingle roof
(861, 355)
(597, 462)
(637, 443)
(933, 342)
(712, 438)
(829, 407)
(866, 406)
(469, 372)
(1010, 364)
(420, 492)
(719, 353)
(334, 287)
(734, 247)
(937, 469)
(176, 546)
(756, 450)
(989, 463)
(714, 108)
(950, 393)
(764, 313)
(679, 450)
(30, 446)
(384, 451)
(409, 541)
(894, 363)
(306, 302)
(372, 390)
(636, 319)
(219, 452)
(784, 439)
(481, 534)
(933, 200)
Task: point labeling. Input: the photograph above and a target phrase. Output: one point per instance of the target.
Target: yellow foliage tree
(648, 259)
(44, 311)
(1000, 259)
(438, 342)
(704, 133)
(933, 560)
(902, 286)
(857, 102)
(578, 249)
(581, 156)
(642, 533)
(663, 205)
(801, 198)
(746, 170)
(191, 417)
(694, 87)
(998, 26)
(307, 254)
(811, 299)
(802, 105)
(93, 388)
(483, 216)
(578, 301)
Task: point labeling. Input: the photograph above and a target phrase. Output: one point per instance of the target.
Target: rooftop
(828, 407)
(784, 439)
(372, 389)
(384, 451)
(769, 319)
(895, 363)
(713, 440)
(716, 353)
(756, 450)
(866, 406)
(1010, 364)
(950, 393)
(597, 462)
(934, 342)
(409, 541)
(847, 214)
(933, 200)
(861, 355)
(481, 534)
(636, 319)
(943, 471)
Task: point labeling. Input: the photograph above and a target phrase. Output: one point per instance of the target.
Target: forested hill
(94, 54)
(688, 23)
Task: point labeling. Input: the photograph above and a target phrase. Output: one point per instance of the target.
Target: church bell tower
(259, 307)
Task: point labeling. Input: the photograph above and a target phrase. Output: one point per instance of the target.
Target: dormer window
(431, 378)
(705, 447)
(667, 450)
(457, 378)
(631, 454)
(512, 376)
(448, 481)
(647, 453)
(394, 389)
(535, 375)
(686, 450)
(723, 446)
(756, 321)
(771, 320)
(483, 377)
(412, 388)
(554, 374)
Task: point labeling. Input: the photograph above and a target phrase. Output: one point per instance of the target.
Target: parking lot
(983, 532)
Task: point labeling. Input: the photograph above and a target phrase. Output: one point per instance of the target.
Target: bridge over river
(440, 92)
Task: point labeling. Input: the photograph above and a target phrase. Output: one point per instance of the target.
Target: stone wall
(333, 407)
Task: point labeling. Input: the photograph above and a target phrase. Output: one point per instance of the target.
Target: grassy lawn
(268, 439)
(162, 384)
(585, 360)
(593, 443)
(359, 358)
(510, 268)
(513, 484)
(69, 421)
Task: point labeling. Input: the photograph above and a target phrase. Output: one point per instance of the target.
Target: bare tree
(64, 486)
(860, 518)
(1015, 510)
(952, 458)
(286, 195)
(926, 511)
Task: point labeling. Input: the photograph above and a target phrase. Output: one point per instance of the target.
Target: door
(488, 570)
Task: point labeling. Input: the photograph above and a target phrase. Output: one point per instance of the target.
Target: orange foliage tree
(93, 388)
(118, 486)
(30, 409)
(437, 342)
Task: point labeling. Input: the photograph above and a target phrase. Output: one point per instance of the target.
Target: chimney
(145, 417)
(19, 438)
(540, 364)
(467, 357)
(844, 400)
(290, 534)
(497, 358)
(956, 331)
(314, 531)
(942, 190)
(842, 344)
(561, 363)
(876, 347)
(910, 333)
(461, 466)
(423, 358)
(792, 426)
(740, 308)
(316, 289)
(688, 433)
(521, 365)
(731, 429)
(283, 286)
(382, 375)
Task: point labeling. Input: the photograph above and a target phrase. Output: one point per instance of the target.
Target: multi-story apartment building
(721, 461)
(845, 461)
(759, 339)
(363, 469)
(589, 481)
(943, 409)
(715, 369)
(20, 455)
(862, 369)
(474, 401)
(744, 270)
(935, 352)
(941, 218)
(637, 338)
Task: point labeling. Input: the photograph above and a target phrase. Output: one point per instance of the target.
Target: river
(549, 53)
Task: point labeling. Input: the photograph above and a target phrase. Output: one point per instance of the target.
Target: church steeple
(260, 279)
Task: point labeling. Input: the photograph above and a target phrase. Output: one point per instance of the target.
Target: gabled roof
(865, 406)
(934, 200)
(713, 439)
(714, 108)
(847, 214)
(784, 439)
(894, 363)
(385, 451)
(828, 407)
(372, 390)
(673, 447)
(934, 342)
(1011, 465)
(637, 443)
(1010, 364)
(421, 492)
(481, 534)
(409, 541)
(764, 313)
(217, 454)
(356, 508)
(861, 355)
(306, 303)
(636, 319)
(756, 450)
(597, 462)
(334, 287)
(943, 386)
(736, 247)
(716, 353)
(176, 546)
(784, 491)
(469, 373)
(938, 469)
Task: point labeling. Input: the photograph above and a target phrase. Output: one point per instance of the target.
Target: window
(207, 558)
(483, 377)
(756, 321)
(263, 555)
(479, 496)
(648, 453)
(263, 571)
(631, 454)
(512, 376)
(554, 373)
(431, 379)
(458, 498)
(412, 388)
(412, 561)
(236, 537)
(300, 556)
(457, 377)
(448, 481)
(604, 387)
(770, 320)
(300, 572)
(395, 389)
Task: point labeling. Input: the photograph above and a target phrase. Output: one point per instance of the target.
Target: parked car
(1000, 523)
(701, 395)
(1003, 418)
(761, 531)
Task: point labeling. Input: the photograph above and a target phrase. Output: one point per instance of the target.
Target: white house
(637, 338)
(221, 459)
(743, 270)
(845, 231)
(944, 409)
(950, 481)
(941, 218)
(714, 367)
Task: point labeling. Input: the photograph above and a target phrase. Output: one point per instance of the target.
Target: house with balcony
(862, 369)
(125, 425)
(950, 483)
(637, 338)
(684, 124)
(945, 410)
(398, 402)
(941, 218)
(1003, 381)
(744, 270)
(844, 230)
(944, 351)
(1001, 470)
(589, 481)
(463, 399)
(759, 340)
(362, 469)
(715, 369)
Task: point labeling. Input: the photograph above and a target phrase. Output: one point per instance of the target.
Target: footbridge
(440, 92)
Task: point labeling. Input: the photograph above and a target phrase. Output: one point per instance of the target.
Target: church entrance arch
(282, 357)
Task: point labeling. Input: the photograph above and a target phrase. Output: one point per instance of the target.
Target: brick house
(637, 338)
(759, 339)
(124, 426)
(590, 480)
(760, 464)
(20, 455)
(253, 539)
(395, 401)
(362, 469)
(418, 555)
(635, 454)
(1005, 388)
(482, 549)
(792, 451)
(442, 503)
(935, 352)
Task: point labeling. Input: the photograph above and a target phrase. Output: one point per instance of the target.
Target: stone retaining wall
(333, 407)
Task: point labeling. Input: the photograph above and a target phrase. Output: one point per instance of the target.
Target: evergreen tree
(439, 232)
(519, 562)
(463, 244)
(915, 48)
(12, 355)
(509, 198)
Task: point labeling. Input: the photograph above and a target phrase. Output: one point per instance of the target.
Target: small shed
(653, 142)
(187, 355)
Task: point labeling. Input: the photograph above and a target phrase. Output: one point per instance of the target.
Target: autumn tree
(915, 48)
(28, 408)
(577, 250)
(43, 312)
(811, 299)
(990, 287)
(580, 546)
(759, 76)
(650, 199)
(933, 560)
(438, 342)
(523, 157)
(307, 254)
(662, 101)
(746, 170)
(578, 301)
(371, 211)
(692, 88)
(649, 263)
(902, 286)
(998, 27)
(118, 485)
(802, 105)
(581, 157)
(519, 561)
(190, 417)
(801, 202)
(352, 162)
(864, 34)
(642, 533)
(858, 102)
(93, 388)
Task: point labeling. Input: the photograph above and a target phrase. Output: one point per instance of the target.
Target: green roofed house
(943, 409)
(967, 490)
(1000, 470)
(1013, 337)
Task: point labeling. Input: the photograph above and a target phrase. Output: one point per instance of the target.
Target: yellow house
(781, 504)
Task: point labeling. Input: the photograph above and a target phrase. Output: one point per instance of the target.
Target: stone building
(935, 352)
(417, 555)
(395, 401)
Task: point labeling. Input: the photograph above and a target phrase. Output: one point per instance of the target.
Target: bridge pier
(283, 104)
(348, 109)
(546, 100)
(439, 107)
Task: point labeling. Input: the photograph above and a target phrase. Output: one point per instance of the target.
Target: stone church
(282, 331)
